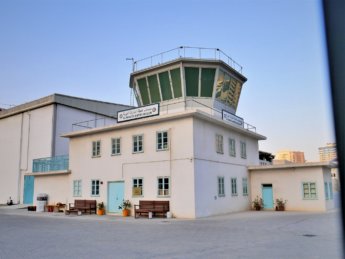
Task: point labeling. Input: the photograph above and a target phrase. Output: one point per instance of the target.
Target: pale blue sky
(79, 48)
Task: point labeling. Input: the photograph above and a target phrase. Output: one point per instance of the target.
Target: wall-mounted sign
(138, 113)
(227, 116)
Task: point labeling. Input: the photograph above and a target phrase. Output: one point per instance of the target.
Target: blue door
(28, 189)
(267, 196)
(116, 192)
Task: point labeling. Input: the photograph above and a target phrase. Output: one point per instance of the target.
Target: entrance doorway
(267, 196)
(28, 189)
(116, 191)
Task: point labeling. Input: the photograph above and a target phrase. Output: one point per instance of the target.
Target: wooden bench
(82, 206)
(156, 207)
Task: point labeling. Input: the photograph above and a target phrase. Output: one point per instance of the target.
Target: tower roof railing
(185, 52)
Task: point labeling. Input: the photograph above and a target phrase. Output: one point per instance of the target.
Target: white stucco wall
(24, 137)
(56, 186)
(287, 185)
(209, 165)
(175, 163)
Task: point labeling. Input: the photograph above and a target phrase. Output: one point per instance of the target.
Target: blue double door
(116, 191)
(267, 196)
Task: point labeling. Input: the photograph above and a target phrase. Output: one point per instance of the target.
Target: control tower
(188, 77)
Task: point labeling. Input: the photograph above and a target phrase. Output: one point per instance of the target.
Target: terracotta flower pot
(125, 213)
(100, 212)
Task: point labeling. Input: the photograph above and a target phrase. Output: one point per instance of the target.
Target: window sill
(95, 156)
(116, 154)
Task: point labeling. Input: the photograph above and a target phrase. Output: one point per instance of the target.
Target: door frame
(108, 184)
(262, 193)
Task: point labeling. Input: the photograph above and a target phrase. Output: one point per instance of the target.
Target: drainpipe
(20, 160)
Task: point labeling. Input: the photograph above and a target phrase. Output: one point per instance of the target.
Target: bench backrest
(146, 204)
(79, 203)
(90, 203)
(162, 205)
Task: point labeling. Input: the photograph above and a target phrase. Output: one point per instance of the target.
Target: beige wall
(287, 185)
(56, 186)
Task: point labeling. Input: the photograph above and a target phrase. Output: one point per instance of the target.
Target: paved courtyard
(249, 234)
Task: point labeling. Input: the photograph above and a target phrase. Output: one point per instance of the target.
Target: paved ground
(251, 234)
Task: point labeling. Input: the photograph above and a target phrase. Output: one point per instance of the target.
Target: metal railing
(186, 52)
(91, 124)
(194, 104)
(48, 164)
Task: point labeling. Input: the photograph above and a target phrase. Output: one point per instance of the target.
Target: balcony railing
(185, 52)
(48, 164)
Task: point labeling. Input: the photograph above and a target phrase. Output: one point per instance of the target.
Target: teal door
(116, 192)
(267, 196)
(28, 189)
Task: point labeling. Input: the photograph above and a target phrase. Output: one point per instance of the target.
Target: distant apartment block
(288, 156)
(328, 152)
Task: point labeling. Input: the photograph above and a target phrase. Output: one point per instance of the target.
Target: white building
(305, 187)
(194, 152)
(32, 130)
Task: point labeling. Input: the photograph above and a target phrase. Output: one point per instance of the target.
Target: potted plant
(258, 203)
(125, 206)
(100, 209)
(280, 204)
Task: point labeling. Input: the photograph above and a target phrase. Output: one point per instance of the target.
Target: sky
(79, 48)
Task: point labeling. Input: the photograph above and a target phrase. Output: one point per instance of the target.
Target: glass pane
(176, 81)
(207, 81)
(165, 85)
(154, 90)
(143, 91)
(192, 81)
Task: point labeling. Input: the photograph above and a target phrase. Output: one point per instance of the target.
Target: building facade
(287, 156)
(194, 152)
(304, 187)
(328, 152)
(31, 134)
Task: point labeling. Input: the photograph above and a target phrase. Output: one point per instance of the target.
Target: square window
(232, 147)
(138, 144)
(309, 190)
(245, 186)
(163, 186)
(77, 188)
(116, 146)
(162, 140)
(234, 186)
(137, 188)
(95, 187)
(243, 150)
(221, 191)
(219, 144)
(96, 148)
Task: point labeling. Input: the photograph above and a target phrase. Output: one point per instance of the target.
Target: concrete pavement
(252, 234)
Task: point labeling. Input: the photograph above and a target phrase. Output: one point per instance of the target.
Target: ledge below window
(60, 172)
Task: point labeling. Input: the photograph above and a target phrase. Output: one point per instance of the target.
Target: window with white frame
(138, 144)
(163, 186)
(116, 146)
(326, 190)
(232, 147)
(330, 188)
(245, 186)
(77, 188)
(221, 190)
(309, 190)
(243, 149)
(219, 144)
(162, 140)
(137, 189)
(96, 148)
(234, 186)
(95, 187)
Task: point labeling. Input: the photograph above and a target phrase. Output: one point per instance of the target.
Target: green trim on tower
(154, 89)
(207, 81)
(143, 91)
(176, 82)
(165, 85)
(192, 81)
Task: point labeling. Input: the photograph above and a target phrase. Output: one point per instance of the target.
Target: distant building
(287, 156)
(328, 153)
(30, 133)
